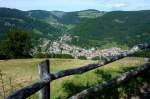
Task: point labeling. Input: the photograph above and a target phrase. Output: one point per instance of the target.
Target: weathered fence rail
(46, 77)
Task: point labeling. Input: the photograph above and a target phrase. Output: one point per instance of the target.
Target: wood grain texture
(43, 72)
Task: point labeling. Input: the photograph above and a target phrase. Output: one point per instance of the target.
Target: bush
(82, 57)
(96, 58)
(3, 57)
(46, 55)
(144, 53)
(39, 55)
(64, 56)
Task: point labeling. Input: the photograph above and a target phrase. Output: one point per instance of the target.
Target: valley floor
(18, 73)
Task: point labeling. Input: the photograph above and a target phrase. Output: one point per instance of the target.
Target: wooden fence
(46, 76)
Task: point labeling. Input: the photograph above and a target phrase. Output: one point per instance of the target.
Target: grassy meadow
(18, 73)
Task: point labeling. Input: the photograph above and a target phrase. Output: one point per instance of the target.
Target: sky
(76, 5)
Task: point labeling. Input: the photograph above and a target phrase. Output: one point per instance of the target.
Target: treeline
(18, 44)
(47, 55)
(144, 53)
(63, 56)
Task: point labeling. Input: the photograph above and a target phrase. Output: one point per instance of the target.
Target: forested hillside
(64, 19)
(13, 18)
(87, 28)
(43, 24)
(114, 28)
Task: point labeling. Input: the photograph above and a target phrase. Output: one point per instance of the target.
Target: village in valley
(63, 48)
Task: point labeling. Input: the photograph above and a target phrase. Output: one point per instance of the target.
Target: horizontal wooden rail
(29, 90)
(123, 77)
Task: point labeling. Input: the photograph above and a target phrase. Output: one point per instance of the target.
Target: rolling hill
(43, 24)
(13, 18)
(64, 19)
(123, 28)
(87, 28)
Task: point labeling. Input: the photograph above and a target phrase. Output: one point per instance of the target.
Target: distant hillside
(44, 24)
(13, 18)
(60, 18)
(114, 28)
(87, 28)
(45, 16)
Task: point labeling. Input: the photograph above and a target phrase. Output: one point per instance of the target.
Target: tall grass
(21, 72)
(25, 71)
(2, 91)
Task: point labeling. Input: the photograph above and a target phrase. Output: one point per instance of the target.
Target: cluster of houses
(63, 48)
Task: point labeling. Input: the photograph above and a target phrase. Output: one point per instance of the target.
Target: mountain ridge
(121, 27)
(87, 28)
(48, 23)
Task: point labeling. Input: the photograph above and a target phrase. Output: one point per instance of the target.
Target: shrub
(46, 55)
(144, 53)
(39, 55)
(82, 57)
(64, 56)
(96, 58)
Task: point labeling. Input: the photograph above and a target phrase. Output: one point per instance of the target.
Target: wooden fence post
(43, 72)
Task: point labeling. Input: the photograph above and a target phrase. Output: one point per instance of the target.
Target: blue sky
(75, 5)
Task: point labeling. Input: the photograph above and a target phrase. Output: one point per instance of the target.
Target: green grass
(25, 71)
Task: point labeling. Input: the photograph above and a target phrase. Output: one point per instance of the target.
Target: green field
(21, 72)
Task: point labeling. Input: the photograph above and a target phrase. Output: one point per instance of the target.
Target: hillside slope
(13, 18)
(44, 24)
(114, 28)
(66, 19)
(87, 28)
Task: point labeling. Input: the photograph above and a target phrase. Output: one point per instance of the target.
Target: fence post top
(44, 61)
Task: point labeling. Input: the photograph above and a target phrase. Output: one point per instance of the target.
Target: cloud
(118, 5)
